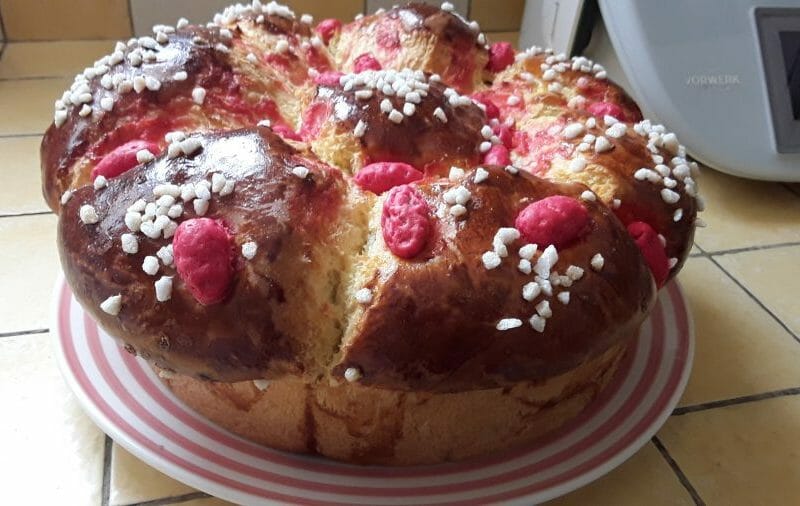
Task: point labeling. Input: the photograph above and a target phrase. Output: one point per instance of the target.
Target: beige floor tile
(745, 454)
(52, 453)
(27, 105)
(76, 19)
(51, 59)
(742, 213)
(20, 170)
(512, 37)
(494, 16)
(645, 478)
(771, 275)
(28, 268)
(133, 481)
(740, 349)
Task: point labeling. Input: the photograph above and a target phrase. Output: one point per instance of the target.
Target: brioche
(429, 248)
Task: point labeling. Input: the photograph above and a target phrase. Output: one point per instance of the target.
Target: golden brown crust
(367, 425)
(421, 330)
(259, 330)
(421, 37)
(431, 324)
(583, 84)
(638, 166)
(245, 77)
(422, 139)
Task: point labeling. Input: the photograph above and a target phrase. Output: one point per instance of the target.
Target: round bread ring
(323, 306)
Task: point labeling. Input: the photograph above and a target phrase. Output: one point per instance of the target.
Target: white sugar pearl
(112, 305)
(150, 265)
(491, 260)
(577, 164)
(597, 262)
(531, 290)
(602, 144)
(364, 296)
(88, 214)
(198, 95)
(538, 323)
(528, 251)
(573, 130)
(543, 309)
(508, 323)
(261, 384)
(200, 206)
(130, 244)
(249, 250)
(352, 374)
(164, 288)
(300, 171)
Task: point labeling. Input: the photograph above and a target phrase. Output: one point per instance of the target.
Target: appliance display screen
(779, 42)
(790, 46)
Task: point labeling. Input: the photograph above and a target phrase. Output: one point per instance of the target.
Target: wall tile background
(73, 19)
(32, 20)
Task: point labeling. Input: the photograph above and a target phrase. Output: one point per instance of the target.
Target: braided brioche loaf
(390, 255)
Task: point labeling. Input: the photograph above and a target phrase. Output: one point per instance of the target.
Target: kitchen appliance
(724, 76)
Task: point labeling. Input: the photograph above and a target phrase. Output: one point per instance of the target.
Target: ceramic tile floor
(732, 440)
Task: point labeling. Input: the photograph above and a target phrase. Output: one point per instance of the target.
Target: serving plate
(126, 400)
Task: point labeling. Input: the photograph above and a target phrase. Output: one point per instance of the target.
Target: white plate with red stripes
(127, 400)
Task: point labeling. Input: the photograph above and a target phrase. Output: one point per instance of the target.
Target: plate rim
(120, 436)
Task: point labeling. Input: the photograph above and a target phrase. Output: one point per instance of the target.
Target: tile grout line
(105, 490)
(15, 136)
(750, 294)
(753, 248)
(755, 299)
(5, 34)
(31, 78)
(130, 18)
(23, 332)
(792, 189)
(678, 471)
(735, 401)
(33, 41)
(175, 499)
(32, 213)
